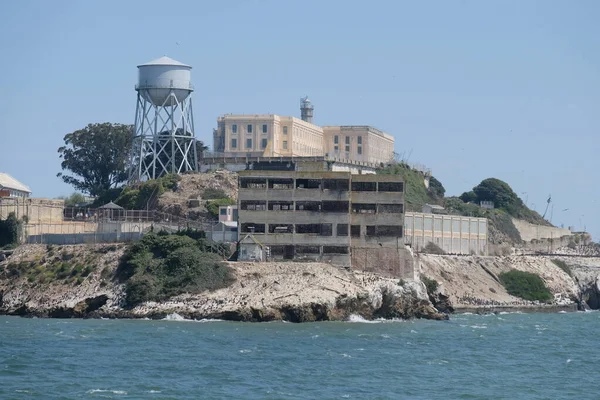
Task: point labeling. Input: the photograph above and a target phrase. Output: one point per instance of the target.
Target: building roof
(8, 182)
(111, 206)
(250, 238)
(165, 61)
(230, 224)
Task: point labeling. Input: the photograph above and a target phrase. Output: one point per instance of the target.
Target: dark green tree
(468, 197)
(499, 192)
(436, 189)
(96, 156)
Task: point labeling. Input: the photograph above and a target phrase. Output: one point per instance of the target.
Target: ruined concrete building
(337, 217)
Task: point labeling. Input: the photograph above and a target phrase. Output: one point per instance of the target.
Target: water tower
(164, 140)
(306, 109)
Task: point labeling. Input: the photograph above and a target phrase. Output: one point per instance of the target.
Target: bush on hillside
(159, 267)
(10, 229)
(416, 195)
(210, 194)
(432, 248)
(563, 265)
(145, 195)
(525, 285)
(430, 284)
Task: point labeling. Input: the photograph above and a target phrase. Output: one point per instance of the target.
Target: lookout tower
(306, 110)
(164, 140)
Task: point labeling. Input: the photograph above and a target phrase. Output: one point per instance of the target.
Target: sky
(471, 89)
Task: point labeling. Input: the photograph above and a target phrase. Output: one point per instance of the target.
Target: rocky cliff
(79, 281)
(470, 281)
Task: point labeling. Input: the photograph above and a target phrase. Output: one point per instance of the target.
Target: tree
(469, 197)
(436, 189)
(97, 157)
(73, 199)
(499, 192)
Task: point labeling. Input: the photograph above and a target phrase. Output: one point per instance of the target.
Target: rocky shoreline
(291, 291)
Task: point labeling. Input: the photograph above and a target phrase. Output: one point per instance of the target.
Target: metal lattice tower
(164, 140)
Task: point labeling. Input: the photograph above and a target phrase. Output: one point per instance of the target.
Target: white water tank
(163, 79)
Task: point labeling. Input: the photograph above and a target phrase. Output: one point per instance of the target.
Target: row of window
(250, 127)
(325, 229)
(324, 184)
(322, 206)
(336, 140)
(263, 143)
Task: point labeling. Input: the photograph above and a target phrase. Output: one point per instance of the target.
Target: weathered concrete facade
(359, 143)
(337, 217)
(35, 210)
(452, 233)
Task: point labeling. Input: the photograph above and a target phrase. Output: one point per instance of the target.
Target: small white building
(10, 187)
(251, 249)
(228, 213)
(434, 209)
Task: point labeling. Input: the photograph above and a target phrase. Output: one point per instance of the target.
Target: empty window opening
(342, 229)
(253, 183)
(364, 208)
(281, 228)
(390, 208)
(283, 183)
(308, 250)
(308, 206)
(326, 229)
(389, 230)
(336, 184)
(391, 186)
(277, 250)
(308, 183)
(364, 186)
(371, 231)
(355, 231)
(281, 205)
(309, 228)
(335, 206)
(251, 227)
(335, 250)
(253, 205)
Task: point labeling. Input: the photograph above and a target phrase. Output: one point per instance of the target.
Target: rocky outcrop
(296, 292)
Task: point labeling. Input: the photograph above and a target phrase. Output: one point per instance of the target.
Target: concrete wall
(36, 210)
(530, 232)
(454, 234)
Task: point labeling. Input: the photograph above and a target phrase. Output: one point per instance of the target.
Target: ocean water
(506, 356)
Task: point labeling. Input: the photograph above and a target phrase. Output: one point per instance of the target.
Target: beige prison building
(270, 135)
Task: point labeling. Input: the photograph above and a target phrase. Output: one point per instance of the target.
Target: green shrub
(525, 285)
(212, 206)
(563, 265)
(432, 248)
(430, 284)
(10, 230)
(159, 267)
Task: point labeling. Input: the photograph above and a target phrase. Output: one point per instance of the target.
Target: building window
(249, 128)
(234, 143)
(248, 143)
(359, 140)
(264, 128)
(359, 149)
(347, 148)
(234, 128)
(263, 144)
(285, 130)
(336, 139)
(335, 148)
(285, 144)
(347, 139)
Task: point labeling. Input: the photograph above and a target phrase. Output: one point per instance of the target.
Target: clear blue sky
(472, 89)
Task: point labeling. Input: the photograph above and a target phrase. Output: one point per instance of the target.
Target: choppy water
(510, 356)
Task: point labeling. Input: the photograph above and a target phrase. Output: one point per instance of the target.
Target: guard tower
(164, 140)
(306, 110)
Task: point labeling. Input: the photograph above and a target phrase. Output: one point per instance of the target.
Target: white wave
(244, 351)
(210, 320)
(121, 392)
(174, 317)
(314, 336)
(358, 318)
(478, 326)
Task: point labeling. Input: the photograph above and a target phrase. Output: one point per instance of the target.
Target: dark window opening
(253, 183)
(385, 230)
(263, 144)
(281, 228)
(347, 139)
(364, 186)
(234, 128)
(308, 206)
(288, 253)
(364, 208)
(391, 186)
(251, 227)
(342, 229)
(248, 143)
(336, 184)
(249, 128)
(253, 205)
(277, 250)
(335, 250)
(335, 206)
(326, 229)
(283, 183)
(264, 129)
(390, 208)
(308, 250)
(234, 143)
(308, 228)
(355, 231)
(308, 183)
(281, 205)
